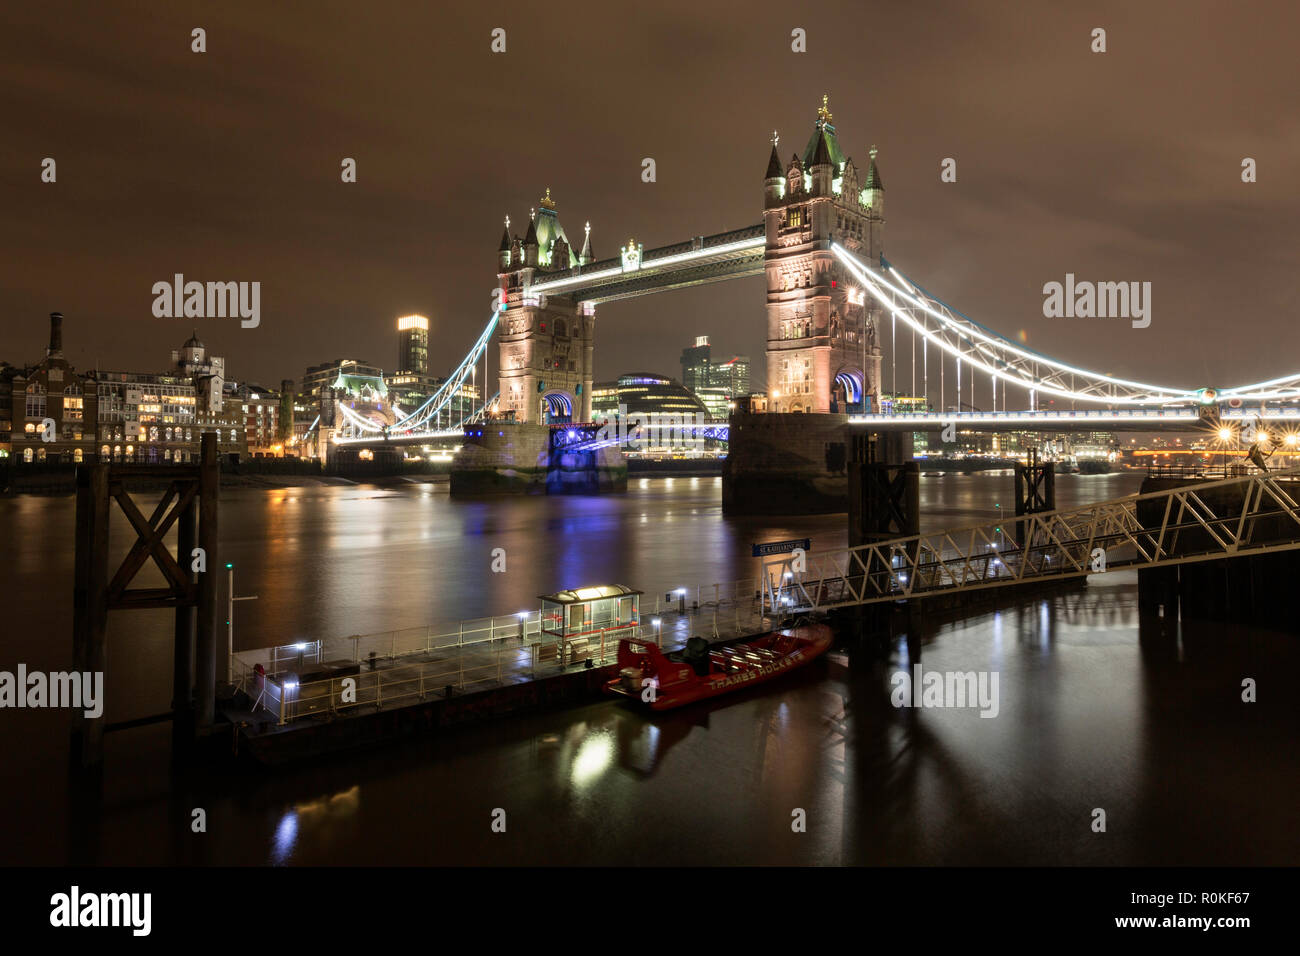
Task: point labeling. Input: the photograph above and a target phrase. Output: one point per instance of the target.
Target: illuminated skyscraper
(716, 385)
(696, 362)
(413, 344)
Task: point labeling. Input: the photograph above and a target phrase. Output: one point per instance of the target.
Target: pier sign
(781, 547)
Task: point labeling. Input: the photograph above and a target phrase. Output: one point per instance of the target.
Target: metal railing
(499, 661)
(1201, 522)
(1215, 468)
(404, 666)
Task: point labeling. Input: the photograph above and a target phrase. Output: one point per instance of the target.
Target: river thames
(1092, 714)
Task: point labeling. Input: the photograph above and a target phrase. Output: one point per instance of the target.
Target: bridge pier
(1158, 593)
(521, 458)
(884, 499)
(795, 463)
(584, 471)
(192, 595)
(507, 458)
(785, 464)
(1035, 491)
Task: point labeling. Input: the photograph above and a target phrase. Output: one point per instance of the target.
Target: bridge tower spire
(822, 351)
(503, 251)
(546, 342)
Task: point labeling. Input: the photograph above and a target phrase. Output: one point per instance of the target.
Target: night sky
(225, 166)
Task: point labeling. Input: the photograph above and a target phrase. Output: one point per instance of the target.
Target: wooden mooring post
(1035, 492)
(190, 589)
(884, 502)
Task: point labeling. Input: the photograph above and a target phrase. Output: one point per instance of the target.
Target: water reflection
(313, 820)
(594, 757)
(1098, 707)
(286, 838)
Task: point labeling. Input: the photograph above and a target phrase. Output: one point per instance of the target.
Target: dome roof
(193, 341)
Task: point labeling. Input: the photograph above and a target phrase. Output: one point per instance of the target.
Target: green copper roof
(549, 229)
(873, 174)
(358, 384)
(826, 133)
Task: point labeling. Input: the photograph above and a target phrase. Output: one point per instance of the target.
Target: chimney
(56, 336)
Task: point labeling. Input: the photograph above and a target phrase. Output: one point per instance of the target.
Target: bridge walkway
(1207, 521)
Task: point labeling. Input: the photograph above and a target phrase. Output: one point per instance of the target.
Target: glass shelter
(591, 618)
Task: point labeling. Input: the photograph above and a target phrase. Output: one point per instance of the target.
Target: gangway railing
(403, 666)
(1210, 520)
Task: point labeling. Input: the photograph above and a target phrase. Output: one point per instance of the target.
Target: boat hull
(663, 682)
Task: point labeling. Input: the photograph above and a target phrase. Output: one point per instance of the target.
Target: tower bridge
(822, 355)
(834, 308)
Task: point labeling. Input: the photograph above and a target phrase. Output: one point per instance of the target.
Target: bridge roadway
(1186, 419)
(728, 255)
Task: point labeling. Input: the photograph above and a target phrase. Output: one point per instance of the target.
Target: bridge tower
(823, 353)
(546, 342)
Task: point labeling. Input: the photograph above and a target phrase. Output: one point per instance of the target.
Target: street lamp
(1225, 434)
(230, 619)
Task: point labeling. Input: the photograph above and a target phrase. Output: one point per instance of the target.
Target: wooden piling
(206, 642)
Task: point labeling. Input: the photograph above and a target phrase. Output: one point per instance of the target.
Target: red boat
(698, 671)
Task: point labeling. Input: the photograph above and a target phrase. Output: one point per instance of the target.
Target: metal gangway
(1207, 521)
